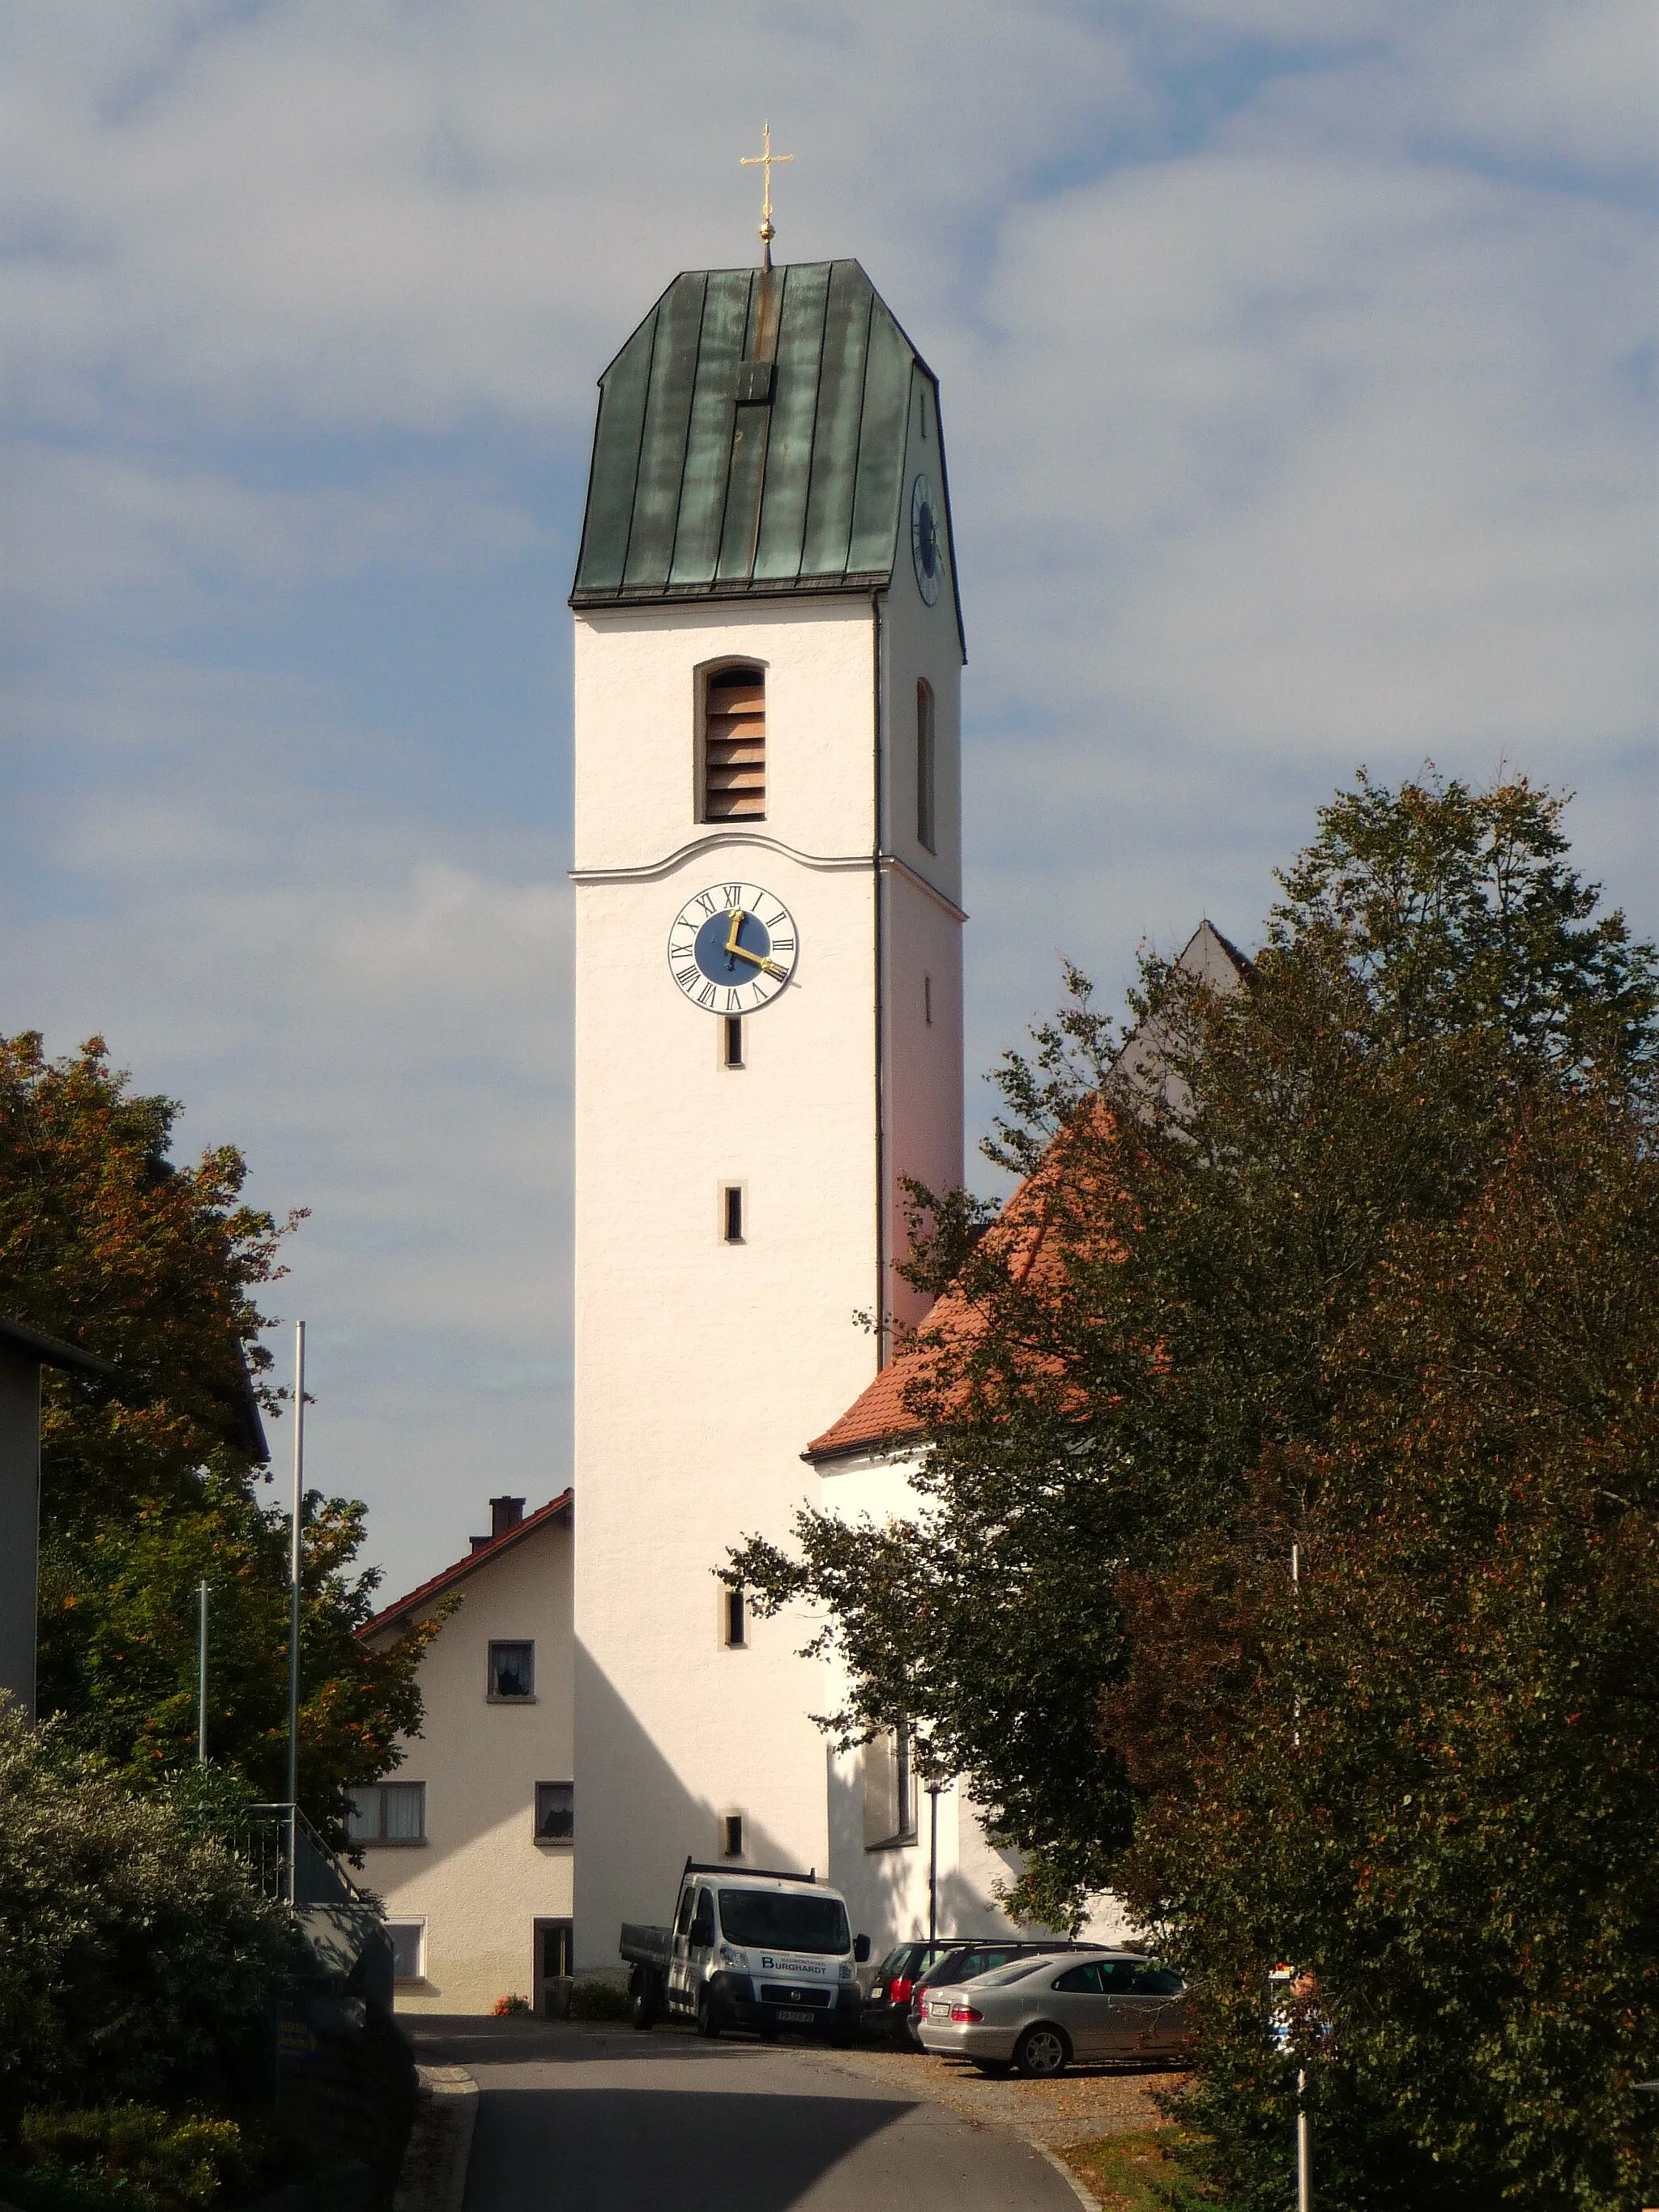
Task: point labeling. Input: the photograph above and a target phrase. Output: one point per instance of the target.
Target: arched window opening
(733, 746)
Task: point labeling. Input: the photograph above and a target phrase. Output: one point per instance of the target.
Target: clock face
(924, 539)
(732, 948)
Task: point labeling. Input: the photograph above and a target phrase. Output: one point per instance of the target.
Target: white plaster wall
(886, 1888)
(480, 1879)
(922, 936)
(702, 1368)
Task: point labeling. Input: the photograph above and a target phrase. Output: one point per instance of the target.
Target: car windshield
(1017, 1968)
(770, 1918)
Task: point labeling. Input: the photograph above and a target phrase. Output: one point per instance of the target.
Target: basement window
(408, 1949)
(732, 769)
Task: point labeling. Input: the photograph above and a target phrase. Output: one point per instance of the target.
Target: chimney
(505, 1513)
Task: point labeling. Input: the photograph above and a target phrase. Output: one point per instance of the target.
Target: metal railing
(291, 1862)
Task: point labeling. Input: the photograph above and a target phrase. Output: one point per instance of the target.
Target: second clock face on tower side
(924, 539)
(732, 948)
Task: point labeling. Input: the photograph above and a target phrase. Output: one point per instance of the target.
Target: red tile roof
(880, 1415)
(395, 1615)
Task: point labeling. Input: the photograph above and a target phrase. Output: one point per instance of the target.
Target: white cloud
(1294, 367)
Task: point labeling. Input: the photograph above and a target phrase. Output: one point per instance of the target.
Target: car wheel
(641, 2010)
(1042, 2051)
(708, 2026)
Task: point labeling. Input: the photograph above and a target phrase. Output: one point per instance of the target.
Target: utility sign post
(295, 1555)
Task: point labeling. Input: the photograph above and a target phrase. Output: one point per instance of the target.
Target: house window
(387, 1813)
(732, 1212)
(512, 1673)
(732, 779)
(556, 1811)
(926, 832)
(730, 1836)
(734, 1619)
(732, 1041)
(408, 1949)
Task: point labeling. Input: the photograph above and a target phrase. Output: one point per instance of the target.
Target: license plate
(807, 2018)
(939, 2012)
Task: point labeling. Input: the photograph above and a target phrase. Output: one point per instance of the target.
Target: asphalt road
(571, 2119)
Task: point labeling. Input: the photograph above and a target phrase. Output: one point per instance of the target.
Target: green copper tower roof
(750, 441)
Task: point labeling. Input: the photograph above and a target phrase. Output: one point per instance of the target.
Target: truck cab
(772, 1953)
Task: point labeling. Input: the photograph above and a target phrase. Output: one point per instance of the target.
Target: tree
(1219, 1320)
(151, 1478)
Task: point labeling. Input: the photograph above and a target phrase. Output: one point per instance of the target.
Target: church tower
(768, 1019)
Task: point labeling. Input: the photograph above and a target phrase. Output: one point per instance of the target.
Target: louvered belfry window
(734, 745)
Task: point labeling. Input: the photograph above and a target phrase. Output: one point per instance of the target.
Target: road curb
(433, 2177)
(1084, 2195)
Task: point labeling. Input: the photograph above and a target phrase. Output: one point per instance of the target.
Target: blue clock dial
(924, 549)
(732, 948)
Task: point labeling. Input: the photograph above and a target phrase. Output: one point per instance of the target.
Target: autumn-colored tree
(1354, 1261)
(152, 1478)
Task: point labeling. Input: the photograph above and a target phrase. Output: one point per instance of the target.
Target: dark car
(887, 2006)
(963, 1961)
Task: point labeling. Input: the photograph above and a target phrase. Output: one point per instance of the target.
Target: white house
(470, 1841)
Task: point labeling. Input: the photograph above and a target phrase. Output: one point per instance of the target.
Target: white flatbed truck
(748, 1948)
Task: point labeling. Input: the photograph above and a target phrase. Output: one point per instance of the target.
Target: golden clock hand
(732, 943)
(771, 966)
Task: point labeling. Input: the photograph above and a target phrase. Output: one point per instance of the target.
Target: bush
(507, 2008)
(136, 2154)
(598, 2000)
(136, 1959)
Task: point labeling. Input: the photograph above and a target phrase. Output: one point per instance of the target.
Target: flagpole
(294, 1564)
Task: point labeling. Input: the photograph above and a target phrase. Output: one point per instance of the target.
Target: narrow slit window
(732, 1217)
(731, 1835)
(928, 1000)
(734, 1619)
(926, 830)
(734, 777)
(731, 1043)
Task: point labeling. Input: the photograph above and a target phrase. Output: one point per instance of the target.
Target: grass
(1135, 2172)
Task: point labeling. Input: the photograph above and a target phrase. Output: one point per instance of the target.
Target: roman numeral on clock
(706, 901)
(734, 895)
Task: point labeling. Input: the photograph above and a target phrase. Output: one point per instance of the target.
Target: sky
(1297, 363)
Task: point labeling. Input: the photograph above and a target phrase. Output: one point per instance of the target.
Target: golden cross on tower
(763, 162)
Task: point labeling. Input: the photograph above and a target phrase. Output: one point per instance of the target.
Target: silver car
(1039, 2015)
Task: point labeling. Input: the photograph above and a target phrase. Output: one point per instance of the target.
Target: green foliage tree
(137, 1961)
(152, 1480)
(1357, 1257)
